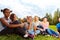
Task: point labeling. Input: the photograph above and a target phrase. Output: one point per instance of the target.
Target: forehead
(7, 11)
(45, 18)
(36, 17)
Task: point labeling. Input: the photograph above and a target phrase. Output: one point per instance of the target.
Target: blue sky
(23, 8)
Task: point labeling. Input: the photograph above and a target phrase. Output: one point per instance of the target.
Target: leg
(20, 31)
(6, 31)
(37, 31)
(51, 32)
(31, 32)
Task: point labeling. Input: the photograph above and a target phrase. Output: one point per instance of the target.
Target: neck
(36, 20)
(44, 21)
(6, 18)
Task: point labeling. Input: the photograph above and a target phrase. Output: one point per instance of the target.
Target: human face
(7, 13)
(15, 17)
(45, 19)
(36, 18)
(29, 19)
(59, 19)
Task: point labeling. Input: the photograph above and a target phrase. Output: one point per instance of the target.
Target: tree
(56, 15)
(49, 17)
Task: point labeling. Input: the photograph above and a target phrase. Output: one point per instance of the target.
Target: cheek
(59, 20)
(45, 19)
(8, 14)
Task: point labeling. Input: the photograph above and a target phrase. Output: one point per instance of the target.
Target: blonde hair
(34, 19)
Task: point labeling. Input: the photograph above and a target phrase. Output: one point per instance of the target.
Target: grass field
(39, 37)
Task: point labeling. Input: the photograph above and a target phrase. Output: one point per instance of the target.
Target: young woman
(45, 25)
(6, 20)
(37, 23)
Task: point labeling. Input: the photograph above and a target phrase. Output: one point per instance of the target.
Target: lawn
(39, 37)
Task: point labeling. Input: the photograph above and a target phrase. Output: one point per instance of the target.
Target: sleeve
(57, 25)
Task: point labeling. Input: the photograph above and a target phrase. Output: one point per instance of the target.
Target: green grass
(39, 37)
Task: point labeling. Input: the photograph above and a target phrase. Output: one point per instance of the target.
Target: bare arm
(10, 25)
(48, 24)
(29, 25)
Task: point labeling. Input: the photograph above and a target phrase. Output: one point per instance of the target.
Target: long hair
(12, 16)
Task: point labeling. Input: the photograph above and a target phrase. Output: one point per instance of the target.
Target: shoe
(26, 35)
(47, 35)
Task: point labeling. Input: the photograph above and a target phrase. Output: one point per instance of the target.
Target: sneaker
(47, 35)
(26, 35)
(57, 36)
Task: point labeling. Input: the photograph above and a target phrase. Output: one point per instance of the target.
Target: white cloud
(23, 8)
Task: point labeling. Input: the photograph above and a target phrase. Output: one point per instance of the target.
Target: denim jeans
(32, 32)
(51, 32)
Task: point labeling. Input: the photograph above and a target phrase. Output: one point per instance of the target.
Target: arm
(10, 25)
(35, 27)
(29, 25)
(35, 30)
(48, 24)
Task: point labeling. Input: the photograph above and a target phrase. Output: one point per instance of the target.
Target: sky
(23, 8)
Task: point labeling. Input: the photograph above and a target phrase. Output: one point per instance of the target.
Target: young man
(58, 26)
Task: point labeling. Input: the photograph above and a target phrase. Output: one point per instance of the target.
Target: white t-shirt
(36, 23)
(1, 25)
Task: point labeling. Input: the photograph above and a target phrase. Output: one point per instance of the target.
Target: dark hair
(3, 10)
(43, 18)
(12, 16)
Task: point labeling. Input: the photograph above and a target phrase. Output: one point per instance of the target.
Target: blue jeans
(32, 32)
(51, 32)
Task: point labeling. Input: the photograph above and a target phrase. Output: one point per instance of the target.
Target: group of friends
(31, 28)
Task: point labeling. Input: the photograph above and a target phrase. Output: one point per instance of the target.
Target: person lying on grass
(45, 25)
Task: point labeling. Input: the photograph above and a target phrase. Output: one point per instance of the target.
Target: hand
(41, 29)
(22, 25)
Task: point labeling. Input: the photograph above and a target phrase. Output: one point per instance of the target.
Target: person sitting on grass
(37, 23)
(31, 28)
(46, 29)
(6, 24)
(58, 26)
(22, 30)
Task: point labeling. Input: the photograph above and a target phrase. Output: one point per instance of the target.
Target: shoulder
(47, 22)
(2, 19)
(41, 22)
(58, 23)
